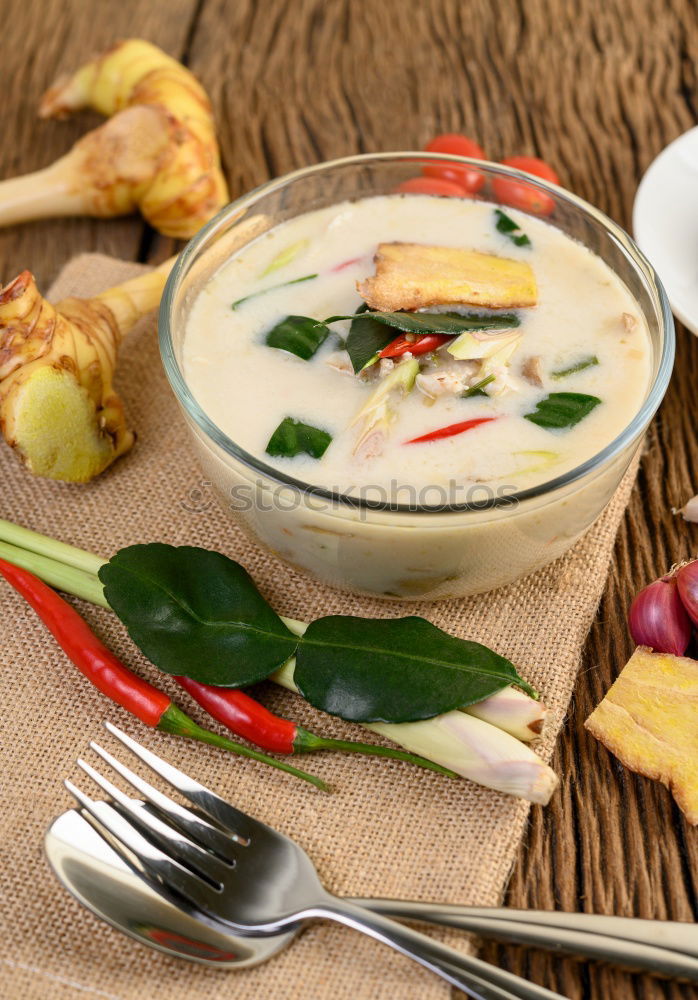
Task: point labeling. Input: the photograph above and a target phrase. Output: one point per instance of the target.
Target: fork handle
(664, 947)
(476, 978)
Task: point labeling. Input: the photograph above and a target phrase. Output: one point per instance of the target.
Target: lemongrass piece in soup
(285, 257)
(375, 416)
(471, 346)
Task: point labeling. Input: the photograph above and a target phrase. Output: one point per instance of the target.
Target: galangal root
(58, 407)
(158, 153)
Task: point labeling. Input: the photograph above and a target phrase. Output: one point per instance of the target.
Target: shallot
(687, 582)
(658, 619)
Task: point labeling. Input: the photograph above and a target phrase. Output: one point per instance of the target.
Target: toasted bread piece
(414, 276)
(649, 720)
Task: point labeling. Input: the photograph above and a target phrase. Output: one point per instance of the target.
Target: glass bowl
(414, 550)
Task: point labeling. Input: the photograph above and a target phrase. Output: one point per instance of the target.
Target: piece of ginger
(58, 407)
(649, 720)
(413, 276)
(157, 153)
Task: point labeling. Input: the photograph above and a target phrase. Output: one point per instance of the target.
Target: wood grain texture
(597, 87)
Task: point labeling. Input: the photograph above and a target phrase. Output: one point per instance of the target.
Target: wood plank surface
(597, 87)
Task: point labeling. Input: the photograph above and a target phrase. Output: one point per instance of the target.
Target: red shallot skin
(687, 580)
(657, 618)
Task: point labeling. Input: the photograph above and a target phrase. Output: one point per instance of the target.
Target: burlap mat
(388, 830)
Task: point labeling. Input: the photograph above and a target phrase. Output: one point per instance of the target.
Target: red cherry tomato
(457, 145)
(431, 185)
(523, 196)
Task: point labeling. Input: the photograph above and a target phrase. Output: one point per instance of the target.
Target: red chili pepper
(451, 430)
(87, 652)
(243, 715)
(247, 718)
(346, 263)
(427, 342)
(111, 677)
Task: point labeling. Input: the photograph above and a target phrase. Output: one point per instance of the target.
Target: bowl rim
(550, 486)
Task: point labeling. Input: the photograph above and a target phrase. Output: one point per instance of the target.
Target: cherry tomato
(524, 196)
(431, 185)
(457, 145)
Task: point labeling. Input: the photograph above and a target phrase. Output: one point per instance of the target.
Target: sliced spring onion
(272, 288)
(578, 366)
(477, 389)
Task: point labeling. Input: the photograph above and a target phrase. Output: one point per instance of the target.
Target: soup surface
(546, 360)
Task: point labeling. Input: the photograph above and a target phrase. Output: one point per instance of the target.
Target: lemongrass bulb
(472, 748)
(513, 711)
(478, 751)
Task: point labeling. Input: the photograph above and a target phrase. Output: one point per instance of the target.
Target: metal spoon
(102, 881)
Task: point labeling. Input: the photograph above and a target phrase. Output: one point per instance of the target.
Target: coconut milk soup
(502, 353)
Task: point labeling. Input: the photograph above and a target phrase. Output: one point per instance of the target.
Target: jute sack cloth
(389, 829)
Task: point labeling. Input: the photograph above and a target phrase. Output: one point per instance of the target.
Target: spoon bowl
(101, 880)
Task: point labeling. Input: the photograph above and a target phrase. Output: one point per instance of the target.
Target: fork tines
(179, 848)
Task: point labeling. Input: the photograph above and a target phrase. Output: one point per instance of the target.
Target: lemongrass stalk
(69, 555)
(472, 748)
(513, 711)
(509, 709)
(57, 574)
(377, 413)
(478, 751)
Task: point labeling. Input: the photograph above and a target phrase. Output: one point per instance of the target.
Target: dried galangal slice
(649, 720)
(414, 276)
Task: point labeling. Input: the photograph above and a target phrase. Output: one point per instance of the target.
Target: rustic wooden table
(597, 87)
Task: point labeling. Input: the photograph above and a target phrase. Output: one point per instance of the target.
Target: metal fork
(220, 864)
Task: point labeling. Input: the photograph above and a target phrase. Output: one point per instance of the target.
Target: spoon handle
(665, 947)
(476, 978)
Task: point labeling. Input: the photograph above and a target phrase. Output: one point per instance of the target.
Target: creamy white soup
(541, 354)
